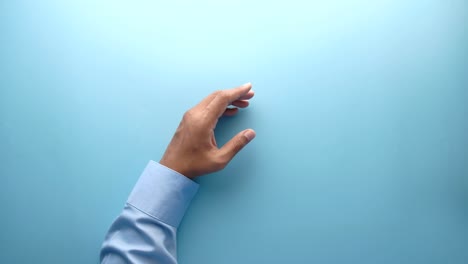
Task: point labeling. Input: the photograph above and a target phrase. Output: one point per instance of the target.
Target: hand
(193, 150)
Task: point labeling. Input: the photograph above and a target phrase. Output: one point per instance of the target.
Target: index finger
(223, 99)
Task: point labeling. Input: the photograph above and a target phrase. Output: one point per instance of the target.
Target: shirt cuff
(163, 193)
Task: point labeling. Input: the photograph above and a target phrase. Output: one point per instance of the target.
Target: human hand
(193, 150)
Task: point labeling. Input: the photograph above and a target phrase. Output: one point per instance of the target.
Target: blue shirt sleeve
(145, 231)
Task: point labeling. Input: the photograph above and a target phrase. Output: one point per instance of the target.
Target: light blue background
(360, 111)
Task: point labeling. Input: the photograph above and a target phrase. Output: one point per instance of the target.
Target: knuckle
(222, 94)
(189, 114)
(218, 94)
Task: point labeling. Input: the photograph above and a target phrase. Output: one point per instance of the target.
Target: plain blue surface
(361, 153)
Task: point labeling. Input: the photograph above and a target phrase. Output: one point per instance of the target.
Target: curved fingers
(230, 111)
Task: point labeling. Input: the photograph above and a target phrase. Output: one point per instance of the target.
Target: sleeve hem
(163, 193)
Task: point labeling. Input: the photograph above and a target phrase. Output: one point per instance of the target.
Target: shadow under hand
(238, 172)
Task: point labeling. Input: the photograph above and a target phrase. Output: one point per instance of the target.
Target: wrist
(175, 166)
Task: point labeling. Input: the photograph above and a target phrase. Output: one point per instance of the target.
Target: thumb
(233, 146)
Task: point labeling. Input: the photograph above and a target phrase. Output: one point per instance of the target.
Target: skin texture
(193, 150)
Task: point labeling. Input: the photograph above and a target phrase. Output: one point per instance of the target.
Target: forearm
(135, 237)
(145, 231)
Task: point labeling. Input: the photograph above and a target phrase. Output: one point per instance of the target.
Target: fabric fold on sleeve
(163, 193)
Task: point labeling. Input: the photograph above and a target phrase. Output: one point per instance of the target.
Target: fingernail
(249, 135)
(246, 84)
